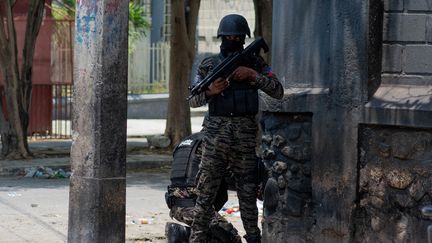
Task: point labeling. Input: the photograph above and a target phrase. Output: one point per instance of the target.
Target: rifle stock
(228, 65)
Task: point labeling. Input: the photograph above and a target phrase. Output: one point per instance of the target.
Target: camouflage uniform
(229, 143)
(217, 222)
(221, 229)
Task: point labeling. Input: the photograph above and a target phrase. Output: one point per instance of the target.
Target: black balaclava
(230, 46)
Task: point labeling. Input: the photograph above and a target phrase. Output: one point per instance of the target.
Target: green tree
(138, 24)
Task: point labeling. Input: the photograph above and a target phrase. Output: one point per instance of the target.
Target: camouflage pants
(218, 223)
(186, 215)
(229, 144)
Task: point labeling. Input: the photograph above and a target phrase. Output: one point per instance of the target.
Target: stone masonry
(286, 144)
(395, 181)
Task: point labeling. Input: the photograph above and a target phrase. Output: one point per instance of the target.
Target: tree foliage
(138, 24)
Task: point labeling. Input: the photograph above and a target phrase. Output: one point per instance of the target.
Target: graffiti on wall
(85, 22)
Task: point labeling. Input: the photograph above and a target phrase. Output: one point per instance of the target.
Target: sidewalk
(139, 156)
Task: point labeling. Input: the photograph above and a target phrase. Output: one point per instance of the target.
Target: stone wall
(395, 181)
(286, 144)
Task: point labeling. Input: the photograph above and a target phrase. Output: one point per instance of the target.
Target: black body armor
(240, 98)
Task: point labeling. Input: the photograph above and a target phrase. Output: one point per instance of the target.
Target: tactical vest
(239, 99)
(185, 161)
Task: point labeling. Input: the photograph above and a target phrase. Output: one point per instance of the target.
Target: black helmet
(233, 24)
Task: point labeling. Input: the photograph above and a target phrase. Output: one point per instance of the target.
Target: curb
(133, 163)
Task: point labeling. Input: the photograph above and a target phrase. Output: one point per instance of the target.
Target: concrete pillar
(98, 156)
(320, 53)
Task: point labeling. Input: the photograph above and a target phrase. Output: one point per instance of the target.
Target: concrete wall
(301, 51)
(348, 69)
(149, 106)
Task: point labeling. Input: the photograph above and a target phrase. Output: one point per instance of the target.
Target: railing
(62, 111)
(148, 73)
(62, 78)
(149, 68)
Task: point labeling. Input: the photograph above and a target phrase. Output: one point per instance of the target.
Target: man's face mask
(231, 45)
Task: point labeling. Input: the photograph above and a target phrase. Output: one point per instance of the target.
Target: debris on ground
(143, 221)
(235, 209)
(14, 194)
(46, 173)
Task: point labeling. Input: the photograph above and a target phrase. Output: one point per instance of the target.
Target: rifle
(228, 65)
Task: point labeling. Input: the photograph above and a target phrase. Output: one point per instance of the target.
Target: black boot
(253, 239)
(176, 233)
(223, 232)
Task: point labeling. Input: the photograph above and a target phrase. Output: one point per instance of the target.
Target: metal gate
(62, 77)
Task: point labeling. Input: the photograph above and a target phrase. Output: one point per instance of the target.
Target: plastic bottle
(145, 220)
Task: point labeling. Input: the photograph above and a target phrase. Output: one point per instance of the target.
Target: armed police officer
(230, 128)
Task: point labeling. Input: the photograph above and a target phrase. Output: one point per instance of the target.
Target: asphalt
(55, 154)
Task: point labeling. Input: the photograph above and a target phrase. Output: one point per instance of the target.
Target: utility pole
(97, 198)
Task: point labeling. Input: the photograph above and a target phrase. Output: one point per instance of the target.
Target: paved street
(143, 127)
(36, 210)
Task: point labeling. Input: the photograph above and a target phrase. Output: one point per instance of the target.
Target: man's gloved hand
(217, 87)
(260, 192)
(243, 74)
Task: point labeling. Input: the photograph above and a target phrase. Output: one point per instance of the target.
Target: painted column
(98, 156)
